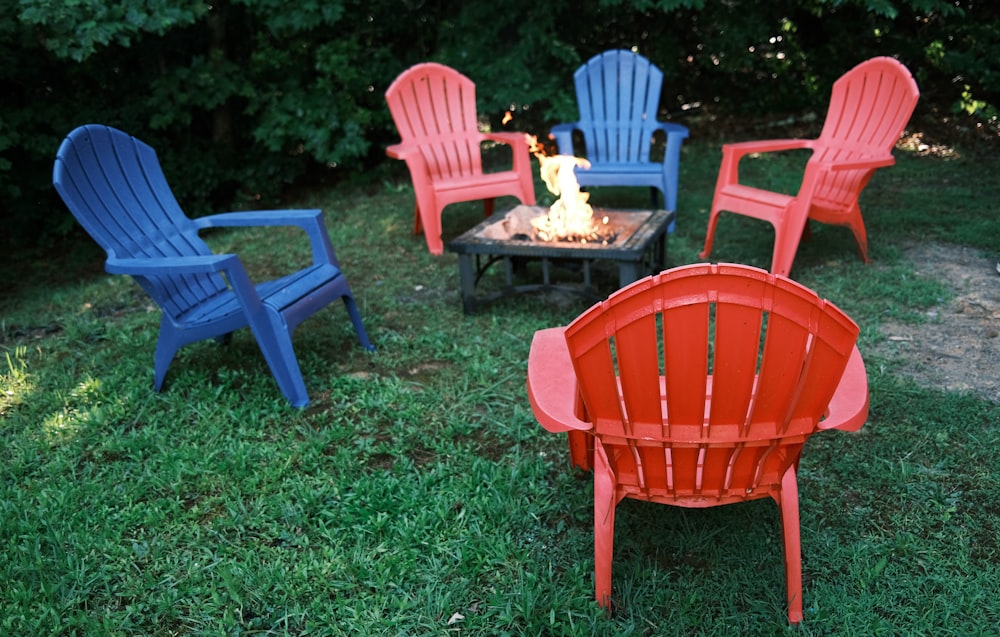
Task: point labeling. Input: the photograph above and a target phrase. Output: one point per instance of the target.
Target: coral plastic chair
(698, 387)
(869, 108)
(434, 108)
(618, 95)
(114, 186)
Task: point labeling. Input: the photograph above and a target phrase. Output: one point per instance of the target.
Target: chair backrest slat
(618, 95)
(434, 106)
(115, 187)
(708, 378)
(869, 108)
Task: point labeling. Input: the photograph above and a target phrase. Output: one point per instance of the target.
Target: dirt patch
(958, 347)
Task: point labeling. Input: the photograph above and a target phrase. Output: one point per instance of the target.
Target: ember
(571, 217)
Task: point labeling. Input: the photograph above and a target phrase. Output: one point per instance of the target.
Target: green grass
(416, 495)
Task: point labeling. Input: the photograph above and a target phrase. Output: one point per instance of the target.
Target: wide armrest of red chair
(519, 144)
(733, 153)
(511, 139)
(766, 146)
(848, 408)
(552, 382)
(402, 151)
(859, 164)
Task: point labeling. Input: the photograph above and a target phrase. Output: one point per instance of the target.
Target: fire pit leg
(467, 281)
(628, 272)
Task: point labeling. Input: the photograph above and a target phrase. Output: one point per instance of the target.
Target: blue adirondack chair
(114, 186)
(618, 95)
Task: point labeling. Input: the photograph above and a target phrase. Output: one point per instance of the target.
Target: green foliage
(76, 30)
(242, 98)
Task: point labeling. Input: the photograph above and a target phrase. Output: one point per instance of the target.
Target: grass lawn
(416, 495)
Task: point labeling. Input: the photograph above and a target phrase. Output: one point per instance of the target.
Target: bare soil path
(958, 346)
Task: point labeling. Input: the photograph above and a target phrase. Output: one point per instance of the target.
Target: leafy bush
(243, 98)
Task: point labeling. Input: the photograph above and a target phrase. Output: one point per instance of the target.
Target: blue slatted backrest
(114, 186)
(618, 94)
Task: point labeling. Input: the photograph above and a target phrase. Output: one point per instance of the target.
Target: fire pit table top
(509, 233)
(638, 245)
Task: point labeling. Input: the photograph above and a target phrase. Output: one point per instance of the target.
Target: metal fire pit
(639, 248)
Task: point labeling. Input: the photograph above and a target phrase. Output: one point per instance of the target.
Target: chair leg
(857, 225)
(604, 526)
(789, 505)
(275, 341)
(713, 220)
(658, 201)
(166, 348)
(359, 326)
(581, 449)
(488, 207)
(417, 226)
(431, 223)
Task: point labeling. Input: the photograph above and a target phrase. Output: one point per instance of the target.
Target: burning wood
(570, 218)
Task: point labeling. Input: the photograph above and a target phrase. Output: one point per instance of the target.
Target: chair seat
(477, 182)
(278, 294)
(767, 198)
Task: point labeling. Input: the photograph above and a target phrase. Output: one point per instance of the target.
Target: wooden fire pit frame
(643, 252)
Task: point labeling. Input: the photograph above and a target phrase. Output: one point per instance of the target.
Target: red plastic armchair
(698, 387)
(869, 108)
(434, 108)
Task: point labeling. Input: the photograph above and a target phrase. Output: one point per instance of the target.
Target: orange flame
(570, 218)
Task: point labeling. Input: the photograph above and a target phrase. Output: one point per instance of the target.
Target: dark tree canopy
(243, 97)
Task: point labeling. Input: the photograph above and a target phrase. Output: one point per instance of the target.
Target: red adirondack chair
(869, 108)
(698, 387)
(434, 108)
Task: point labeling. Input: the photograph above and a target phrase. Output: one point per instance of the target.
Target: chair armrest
(563, 134)
(552, 382)
(402, 151)
(228, 264)
(171, 265)
(859, 164)
(848, 408)
(672, 130)
(519, 147)
(414, 158)
(739, 149)
(301, 218)
(729, 170)
(511, 139)
(311, 221)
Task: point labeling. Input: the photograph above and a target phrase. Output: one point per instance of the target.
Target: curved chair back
(618, 94)
(435, 106)
(114, 186)
(870, 106)
(728, 367)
